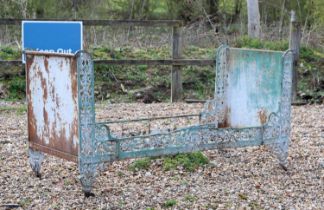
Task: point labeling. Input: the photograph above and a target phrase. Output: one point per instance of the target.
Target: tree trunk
(213, 7)
(281, 18)
(253, 18)
(237, 10)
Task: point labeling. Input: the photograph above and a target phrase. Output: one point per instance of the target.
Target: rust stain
(61, 143)
(74, 80)
(52, 91)
(29, 62)
(45, 115)
(262, 116)
(51, 151)
(46, 63)
(43, 83)
(225, 123)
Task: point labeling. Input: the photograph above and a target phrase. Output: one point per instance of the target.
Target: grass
(190, 198)
(170, 203)
(189, 161)
(140, 164)
(8, 53)
(247, 42)
(18, 109)
(25, 202)
(242, 196)
(16, 88)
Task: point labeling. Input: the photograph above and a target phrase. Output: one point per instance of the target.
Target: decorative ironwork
(98, 146)
(87, 163)
(208, 114)
(35, 160)
(221, 85)
(283, 124)
(196, 137)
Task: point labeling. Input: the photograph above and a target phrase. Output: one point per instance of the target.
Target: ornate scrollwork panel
(193, 137)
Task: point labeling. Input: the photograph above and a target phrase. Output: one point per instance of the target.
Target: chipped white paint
(51, 96)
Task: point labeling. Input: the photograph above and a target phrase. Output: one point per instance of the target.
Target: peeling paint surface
(52, 104)
(254, 78)
(251, 107)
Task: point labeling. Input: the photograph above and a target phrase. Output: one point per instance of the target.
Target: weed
(254, 205)
(16, 88)
(169, 203)
(25, 202)
(8, 53)
(247, 42)
(120, 174)
(190, 198)
(243, 196)
(140, 164)
(67, 182)
(18, 110)
(189, 161)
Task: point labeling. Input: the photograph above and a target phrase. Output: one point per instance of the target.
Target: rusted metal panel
(52, 104)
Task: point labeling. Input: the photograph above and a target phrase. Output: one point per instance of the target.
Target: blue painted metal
(251, 107)
(52, 36)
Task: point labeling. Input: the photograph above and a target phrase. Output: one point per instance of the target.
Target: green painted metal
(254, 78)
(251, 92)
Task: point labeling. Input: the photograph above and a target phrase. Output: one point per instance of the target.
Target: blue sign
(52, 36)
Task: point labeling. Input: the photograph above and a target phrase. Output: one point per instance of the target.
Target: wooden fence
(176, 61)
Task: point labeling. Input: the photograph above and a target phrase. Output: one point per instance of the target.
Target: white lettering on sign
(59, 50)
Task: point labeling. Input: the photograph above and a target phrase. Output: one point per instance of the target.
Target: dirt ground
(247, 178)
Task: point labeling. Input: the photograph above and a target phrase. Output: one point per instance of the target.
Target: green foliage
(170, 203)
(119, 81)
(18, 110)
(25, 202)
(16, 88)
(247, 42)
(197, 52)
(189, 161)
(140, 164)
(8, 53)
(311, 75)
(198, 81)
(190, 198)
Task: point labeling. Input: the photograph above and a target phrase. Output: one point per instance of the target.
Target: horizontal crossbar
(155, 23)
(179, 62)
(148, 119)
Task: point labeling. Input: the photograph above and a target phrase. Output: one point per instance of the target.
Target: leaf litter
(248, 178)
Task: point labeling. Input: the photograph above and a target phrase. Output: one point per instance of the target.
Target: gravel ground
(247, 178)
